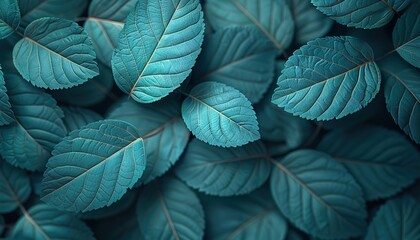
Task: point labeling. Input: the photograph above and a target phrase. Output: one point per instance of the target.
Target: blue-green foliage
(9, 17)
(328, 78)
(76, 118)
(157, 48)
(6, 113)
(94, 166)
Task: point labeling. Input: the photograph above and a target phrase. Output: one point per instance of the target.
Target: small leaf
(382, 161)
(397, 219)
(272, 18)
(6, 113)
(237, 57)
(43, 222)
(27, 143)
(55, 53)
(224, 171)
(76, 118)
(318, 195)
(328, 78)
(220, 115)
(168, 209)
(366, 14)
(157, 48)
(94, 166)
(9, 17)
(406, 35)
(15, 187)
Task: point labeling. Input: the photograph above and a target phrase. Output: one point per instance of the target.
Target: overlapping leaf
(76, 118)
(157, 48)
(6, 113)
(328, 78)
(9, 17)
(55, 53)
(94, 166)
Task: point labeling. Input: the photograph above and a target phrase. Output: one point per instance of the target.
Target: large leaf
(366, 14)
(28, 141)
(382, 161)
(237, 57)
(249, 217)
(220, 115)
(75, 117)
(402, 95)
(318, 195)
(55, 53)
(163, 123)
(43, 222)
(328, 78)
(157, 48)
(15, 187)
(104, 24)
(406, 35)
(224, 171)
(272, 18)
(6, 113)
(168, 209)
(9, 17)
(94, 166)
(397, 219)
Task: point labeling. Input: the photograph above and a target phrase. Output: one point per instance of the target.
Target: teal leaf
(15, 187)
(397, 219)
(76, 118)
(272, 18)
(248, 217)
(309, 22)
(89, 93)
(366, 14)
(94, 166)
(224, 171)
(9, 17)
(168, 209)
(237, 57)
(55, 53)
(104, 24)
(406, 35)
(318, 195)
(328, 78)
(43, 222)
(163, 123)
(6, 113)
(382, 161)
(220, 115)
(28, 141)
(402, 95)
(157, 48)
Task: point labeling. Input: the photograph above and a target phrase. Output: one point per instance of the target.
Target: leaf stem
(385, 55)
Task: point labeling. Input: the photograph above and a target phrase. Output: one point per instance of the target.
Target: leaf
(55, 53)
(220, 115)
(157, 48)
(75, 117)
(309, 22)
(168, 209)
(224, 171)
(89, 93)
(15, 187)
(406, 36)
(397, 219)
(366, 14)
(104, 24)
(402, 95)
(162, 121)
(248, 217)
(328, 78)
(94, 166)
(318, 195)
(28, 141)
(43, 222)
(272, 18)
(237, 57)
(9, 17)
(6, 113)
(382, 161)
